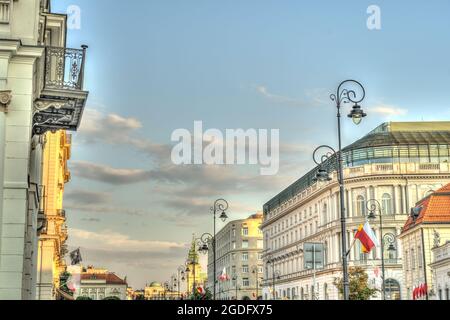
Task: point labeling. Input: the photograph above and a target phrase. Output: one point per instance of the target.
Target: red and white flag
(224, 276)
(367, 238)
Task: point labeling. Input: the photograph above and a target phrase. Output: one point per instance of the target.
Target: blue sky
(156, 66)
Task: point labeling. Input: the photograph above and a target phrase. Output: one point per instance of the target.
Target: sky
(157, 66)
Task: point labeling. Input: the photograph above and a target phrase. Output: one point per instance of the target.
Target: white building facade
(441, 271)
(390, 165)
(239, 253)
(40, 90)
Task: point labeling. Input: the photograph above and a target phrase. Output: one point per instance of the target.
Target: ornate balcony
(61, 100)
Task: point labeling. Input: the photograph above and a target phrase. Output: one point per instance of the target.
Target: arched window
(392, 289)
(386, 203)
(360, 206)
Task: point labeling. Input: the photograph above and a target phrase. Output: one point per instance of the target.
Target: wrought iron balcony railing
(64, 68)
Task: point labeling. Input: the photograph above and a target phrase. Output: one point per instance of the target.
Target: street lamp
(344, 95)
(235, 279)
(374, 207)
(220, 205)
(203, 242)
(255, 271)
(180, 278)
(276, 275)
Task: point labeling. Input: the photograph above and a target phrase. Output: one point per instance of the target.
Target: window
(413, 260)
(259, 244)
(386, 203)
(360, 206)
(245, 282)
(324, 215)
(406, 260)
(245, 231)
(233, 245)
(233, 256)
(419, 257)
(245, 256)
(245, 269)
(233, 232)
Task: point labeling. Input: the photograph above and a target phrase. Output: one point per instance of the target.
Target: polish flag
(200, 290)
(367, 238)
(224, 276)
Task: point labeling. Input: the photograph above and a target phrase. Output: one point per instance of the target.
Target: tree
(111, 298)
(359, 285)
(83, 298)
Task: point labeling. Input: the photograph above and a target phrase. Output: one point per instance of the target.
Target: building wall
(441, 272)
(313, 216)
(416, 265)
(237, 259)
(20, 178)
(51, 247)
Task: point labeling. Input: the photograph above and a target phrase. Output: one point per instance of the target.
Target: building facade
(396, 164)
(195, 277)
(51, 244)
(239, 253)
(157, 291)
(41, 90)
(440, 269)
(427, 225)
(98, 284)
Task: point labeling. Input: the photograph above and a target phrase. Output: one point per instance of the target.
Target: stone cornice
(13, 47)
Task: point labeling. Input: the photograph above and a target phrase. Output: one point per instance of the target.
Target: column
(395, 204)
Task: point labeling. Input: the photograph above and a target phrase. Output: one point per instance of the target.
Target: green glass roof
(401, 134)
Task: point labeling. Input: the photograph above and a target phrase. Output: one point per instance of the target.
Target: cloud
(108, 240)
(90, 208)
(313, 97)
(86, 197)
(388, 110)
(92, 220)
(107, 174)
(139, 260)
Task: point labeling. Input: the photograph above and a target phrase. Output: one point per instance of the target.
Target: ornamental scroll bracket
(52, 115)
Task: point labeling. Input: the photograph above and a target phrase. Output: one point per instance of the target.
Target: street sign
(314, 256)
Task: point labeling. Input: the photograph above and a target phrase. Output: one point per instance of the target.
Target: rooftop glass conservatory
(390, 143)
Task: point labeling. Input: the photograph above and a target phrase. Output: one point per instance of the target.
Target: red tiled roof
(433, 209)
(110, 278)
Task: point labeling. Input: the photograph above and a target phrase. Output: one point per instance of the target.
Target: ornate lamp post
(374, 206)
(344, 95)
(276, 275)
(180, 279)
(235, 279)
(255, 271)
(187, 270)
(220, 206)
